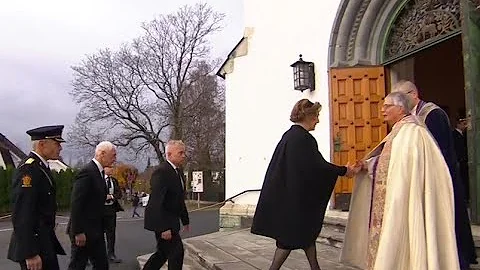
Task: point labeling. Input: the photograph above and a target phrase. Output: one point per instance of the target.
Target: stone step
(189, 262)
(241, 250)
(216, 251)
(330, 235)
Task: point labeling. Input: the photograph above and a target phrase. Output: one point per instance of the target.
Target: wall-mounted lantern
(303, 75)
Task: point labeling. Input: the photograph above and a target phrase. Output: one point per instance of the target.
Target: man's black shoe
(113, 259)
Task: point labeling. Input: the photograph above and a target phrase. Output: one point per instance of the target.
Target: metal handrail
(201, 208)
(226, 200)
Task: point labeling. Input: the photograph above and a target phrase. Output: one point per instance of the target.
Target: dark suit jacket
(460, 142)
(166, 205)
(33, 212)
(117, 195)
(88, 201)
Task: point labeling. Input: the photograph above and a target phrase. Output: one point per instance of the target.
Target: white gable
(259, 85)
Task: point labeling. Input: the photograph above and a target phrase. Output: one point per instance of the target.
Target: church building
(352, 52)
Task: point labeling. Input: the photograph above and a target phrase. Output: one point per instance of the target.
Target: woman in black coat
(297, 188)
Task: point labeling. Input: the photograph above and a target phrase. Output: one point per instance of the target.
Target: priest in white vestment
(402, 209)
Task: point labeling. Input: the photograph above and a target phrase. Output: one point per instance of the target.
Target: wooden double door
(357, 125)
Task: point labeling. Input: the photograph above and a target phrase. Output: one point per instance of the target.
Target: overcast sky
(41, 39)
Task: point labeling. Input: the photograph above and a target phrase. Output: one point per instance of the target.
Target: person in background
(135, 203)
(112, 206)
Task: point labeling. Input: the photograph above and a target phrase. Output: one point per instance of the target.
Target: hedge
(63, 180)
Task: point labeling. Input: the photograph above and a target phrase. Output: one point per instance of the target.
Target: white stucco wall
(57, 165)
(259, 91)
(2, 163)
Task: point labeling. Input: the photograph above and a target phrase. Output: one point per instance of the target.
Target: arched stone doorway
(374, 32)
(373, 44)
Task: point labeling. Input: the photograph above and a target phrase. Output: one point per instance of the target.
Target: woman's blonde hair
(304, 108)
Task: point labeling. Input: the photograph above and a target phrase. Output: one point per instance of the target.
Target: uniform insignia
(26, 181)
(29, 161)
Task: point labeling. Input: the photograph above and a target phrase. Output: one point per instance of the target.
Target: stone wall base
(236, 216)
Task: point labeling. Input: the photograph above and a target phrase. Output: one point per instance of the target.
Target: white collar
(414, 110)
(99, 166)
(459, 131)
(41, 158)
(174, 167)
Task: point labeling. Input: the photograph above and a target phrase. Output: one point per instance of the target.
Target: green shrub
(63, 181)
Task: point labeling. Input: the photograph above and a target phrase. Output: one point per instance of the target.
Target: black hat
(47, 132)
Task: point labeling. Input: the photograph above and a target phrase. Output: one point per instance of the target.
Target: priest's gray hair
(173, 143)
(104, 146)
(402, 100)
(405, 87)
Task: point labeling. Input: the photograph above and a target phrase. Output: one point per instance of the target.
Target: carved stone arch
(359, 34)
(359, 30)
(421, 23)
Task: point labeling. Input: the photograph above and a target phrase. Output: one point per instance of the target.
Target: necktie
(180, 175)
(103, 177)
(109, 183)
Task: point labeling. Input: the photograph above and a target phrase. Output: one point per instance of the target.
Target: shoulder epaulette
(29, 161)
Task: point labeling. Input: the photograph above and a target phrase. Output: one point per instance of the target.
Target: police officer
(34, 244)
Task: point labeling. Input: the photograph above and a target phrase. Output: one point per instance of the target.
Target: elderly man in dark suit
(34, 244)
(85, 226)
(166, 207)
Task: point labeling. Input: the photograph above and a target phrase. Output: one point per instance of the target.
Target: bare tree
(205, 130)
(205, 121)
(133, 97)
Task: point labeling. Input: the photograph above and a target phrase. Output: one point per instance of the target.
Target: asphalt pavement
(132, 239)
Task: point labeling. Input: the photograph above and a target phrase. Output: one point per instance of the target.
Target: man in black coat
(460, 142)
(166, 207)
(112, 206)
(33, 243)
(85, 226)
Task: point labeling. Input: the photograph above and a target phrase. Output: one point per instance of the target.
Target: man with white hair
(166, 207)
(402, 208)
(85, 226)
(438, 124)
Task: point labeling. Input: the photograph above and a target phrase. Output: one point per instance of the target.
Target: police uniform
(34, 207)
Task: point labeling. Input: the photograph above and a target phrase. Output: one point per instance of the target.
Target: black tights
(282, 254)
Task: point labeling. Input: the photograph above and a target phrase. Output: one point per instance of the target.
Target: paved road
(132, 239)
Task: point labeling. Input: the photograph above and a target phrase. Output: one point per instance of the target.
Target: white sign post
(197, 184)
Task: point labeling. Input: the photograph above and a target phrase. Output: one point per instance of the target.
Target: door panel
(356, 97)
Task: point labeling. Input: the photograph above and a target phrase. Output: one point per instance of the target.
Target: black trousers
(50, 262)
(94, 250)
(110, 224)
(171, 250)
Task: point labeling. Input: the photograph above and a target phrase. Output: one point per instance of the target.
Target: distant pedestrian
(112, 206)
(135, 203)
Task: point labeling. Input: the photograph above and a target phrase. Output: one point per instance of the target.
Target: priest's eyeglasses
(386, 106)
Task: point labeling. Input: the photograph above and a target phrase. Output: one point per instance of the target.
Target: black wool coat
(296, 191)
